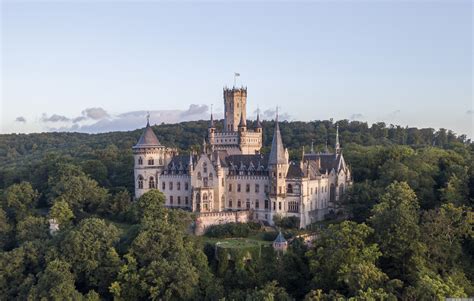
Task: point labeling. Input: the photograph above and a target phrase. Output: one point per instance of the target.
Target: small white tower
(149, 160)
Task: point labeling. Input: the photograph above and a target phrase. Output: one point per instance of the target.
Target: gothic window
(179, 200)
(279, 175)
(205, 182)
(239, 204)
(332, 193)
(238, 187)
(211, 176)
(230, 187)
(186, 186)
(178, 186)
(186, 200)
(247, 188)
(274, 204)
(230, 203)
(280, 190)
(171, 200)
(204, 196)
(199, 175)
(266, 204)
(257, 204)
(266, 188)
(257, 188)
(140, 182)
(222, 182)
(163, 186)
(247, 204)
(341, 190)
(279, 205)
(293, 206)
(151, 161)
(198, 197)
(151, 183)
(289, 189)
(171, 186)
(204, 167)
(140, 161)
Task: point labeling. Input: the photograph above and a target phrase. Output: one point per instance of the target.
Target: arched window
(151, 161)
(140, 182)
(198, 197)
(199, 175)
(140, 161)
(151, 183)
(204, 196)
(211, 176)
(332, 193)
(289, 189)
(205, 182)
(204, 167)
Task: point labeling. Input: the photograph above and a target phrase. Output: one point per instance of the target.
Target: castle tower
(235, 103)
(149, 160)
(278, 168)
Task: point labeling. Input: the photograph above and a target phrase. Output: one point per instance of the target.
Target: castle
(230, 180)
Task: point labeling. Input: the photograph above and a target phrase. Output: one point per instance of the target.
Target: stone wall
(206, 219)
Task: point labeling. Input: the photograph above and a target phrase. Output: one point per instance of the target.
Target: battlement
(229, 93)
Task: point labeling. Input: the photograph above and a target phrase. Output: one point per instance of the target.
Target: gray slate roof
(148, 138)
(280, 238)
(277, 153)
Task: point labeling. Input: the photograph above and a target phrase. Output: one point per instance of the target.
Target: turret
(211, 130)
(149, 157)
(337, 146)
(259, 124)
(242, 123)
(278, 163)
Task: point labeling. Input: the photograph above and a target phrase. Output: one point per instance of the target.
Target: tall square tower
(235, 102)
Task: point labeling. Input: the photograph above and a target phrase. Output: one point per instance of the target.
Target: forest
(407, 232)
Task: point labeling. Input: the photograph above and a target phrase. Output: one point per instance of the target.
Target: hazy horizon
(99, 67)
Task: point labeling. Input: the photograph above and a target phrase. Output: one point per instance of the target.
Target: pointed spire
(312, 146)
(211, 122)
(259, 124)
(148, 119)
(337, 146)
(243, 122)
(204, 145)
(277, 152)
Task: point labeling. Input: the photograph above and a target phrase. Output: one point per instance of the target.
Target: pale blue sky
(402, 62)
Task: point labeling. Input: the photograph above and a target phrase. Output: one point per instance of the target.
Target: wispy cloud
(20, 119)
(102, 121)
(356, 116)
(54, 118)
(470, 112)
(270, 114)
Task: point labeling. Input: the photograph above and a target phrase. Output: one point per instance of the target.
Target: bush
(290, 222)
(231, 230)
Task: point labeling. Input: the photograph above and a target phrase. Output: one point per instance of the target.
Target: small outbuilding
(280, 244)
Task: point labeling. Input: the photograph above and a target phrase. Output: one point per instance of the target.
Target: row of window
(151, 182)
(170, 186)
(178, 200)
(247, 188)
(151, 161)
(266, 204)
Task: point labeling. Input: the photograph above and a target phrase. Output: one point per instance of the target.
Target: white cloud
(20, 119)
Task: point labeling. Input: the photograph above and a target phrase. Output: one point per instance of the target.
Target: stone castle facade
(230, 180)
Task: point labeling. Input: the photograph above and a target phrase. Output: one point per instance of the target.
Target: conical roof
(259, 124)
(277, 153)
(243, 122)
(148, 138)
(280, 238)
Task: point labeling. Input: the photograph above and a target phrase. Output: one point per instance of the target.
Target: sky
(98, 66)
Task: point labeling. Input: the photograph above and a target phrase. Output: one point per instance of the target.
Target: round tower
(149, 160)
